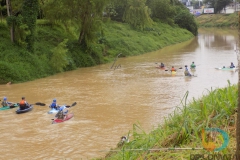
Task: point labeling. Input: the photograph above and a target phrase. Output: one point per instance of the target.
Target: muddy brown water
(110, 101)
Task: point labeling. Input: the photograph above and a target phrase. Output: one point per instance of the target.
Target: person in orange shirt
(173, 69)
(23, 104)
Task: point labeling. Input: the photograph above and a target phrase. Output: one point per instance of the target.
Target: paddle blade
(72, 105)
(166, 70)
(40, 104)
(180, 68)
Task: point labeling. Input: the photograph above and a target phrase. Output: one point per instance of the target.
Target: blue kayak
(53, 110)
(24, 110)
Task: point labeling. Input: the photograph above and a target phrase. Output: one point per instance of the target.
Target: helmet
(4, 98)
(185, 65)
(61, 108)
(54, 100)
(23, 97)
(172, 66)
(192, 62)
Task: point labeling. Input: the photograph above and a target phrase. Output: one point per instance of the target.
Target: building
(189, 2)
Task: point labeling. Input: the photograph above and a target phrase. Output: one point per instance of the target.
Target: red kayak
(67, 117)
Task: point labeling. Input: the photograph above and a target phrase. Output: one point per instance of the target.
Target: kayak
(53, 110)
(8, 107)
(24, 110)
(67, 117)
(173, 72)
(160, 67)
(227, 69)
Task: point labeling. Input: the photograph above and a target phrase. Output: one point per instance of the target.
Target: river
(110, 101)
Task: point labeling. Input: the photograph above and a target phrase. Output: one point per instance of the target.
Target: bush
(185, 20)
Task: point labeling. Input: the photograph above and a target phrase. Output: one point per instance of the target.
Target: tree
(186, 20)
(30, 11)
(9, 12)
(162, 10)
(86, 13)
(137, 14)
(221, 4)
(2, 8)
(218, 5)
(59, 58)
(119, 7)
(13, 10)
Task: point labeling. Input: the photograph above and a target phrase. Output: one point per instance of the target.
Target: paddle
(74, 104)
(176, 70)
(39, 103)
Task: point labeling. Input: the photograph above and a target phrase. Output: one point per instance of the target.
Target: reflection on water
(110, 101)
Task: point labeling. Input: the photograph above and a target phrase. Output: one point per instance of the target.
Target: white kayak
(227, 69)
(53, 110)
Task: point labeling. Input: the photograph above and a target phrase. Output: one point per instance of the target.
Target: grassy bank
(57, 50)
(182, 129)
(218, 20)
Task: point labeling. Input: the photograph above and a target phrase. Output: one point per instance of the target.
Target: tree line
(21, 16)
(218, 5)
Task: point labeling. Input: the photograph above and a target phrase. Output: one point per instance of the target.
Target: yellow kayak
(173, 72)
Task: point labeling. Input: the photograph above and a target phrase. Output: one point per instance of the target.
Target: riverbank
(218, 20)
(179, 136)
(18, 65)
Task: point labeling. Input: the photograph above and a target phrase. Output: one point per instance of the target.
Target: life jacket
(173, 69)
(22, 103)
(53, 105)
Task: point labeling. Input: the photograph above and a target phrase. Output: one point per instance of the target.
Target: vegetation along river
(110, 101)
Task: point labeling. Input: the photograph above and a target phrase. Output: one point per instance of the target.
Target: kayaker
(54, 104)
(192, 65)
(232, 65)
(63, 111)
(186, 72)
(5, 102)
(23, 104)
(161, 65)
(173, 69)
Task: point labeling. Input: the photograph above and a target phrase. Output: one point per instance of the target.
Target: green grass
(182, 128)
(120, 38)
(218, 20)
(112, 39)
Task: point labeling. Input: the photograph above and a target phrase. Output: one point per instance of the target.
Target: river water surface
(110, 101)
